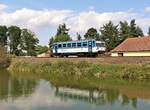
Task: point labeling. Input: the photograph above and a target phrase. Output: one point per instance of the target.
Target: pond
(39, 94)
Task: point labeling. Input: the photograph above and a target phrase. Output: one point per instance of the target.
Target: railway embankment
(97, 60)
(83, 68)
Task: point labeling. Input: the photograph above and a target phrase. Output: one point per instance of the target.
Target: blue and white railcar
(82, 47)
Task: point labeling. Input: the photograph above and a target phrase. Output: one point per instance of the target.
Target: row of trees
(18, 41)
(110, 33)
(115, 34)
(24, 42)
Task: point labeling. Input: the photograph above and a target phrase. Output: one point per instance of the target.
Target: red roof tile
(134, 45)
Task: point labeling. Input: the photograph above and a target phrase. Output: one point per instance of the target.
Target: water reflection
(11, 88)
(25, 94)
(102, 97)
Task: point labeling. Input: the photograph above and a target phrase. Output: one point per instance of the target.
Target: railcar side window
(73, 44)
(59, 46)
(64, 45)
(69, 45)
(85, 44)
(79, 44)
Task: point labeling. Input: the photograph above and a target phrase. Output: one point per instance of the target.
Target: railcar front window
(100, 44)
(53, 46)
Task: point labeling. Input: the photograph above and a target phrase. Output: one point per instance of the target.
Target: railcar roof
(75, 41)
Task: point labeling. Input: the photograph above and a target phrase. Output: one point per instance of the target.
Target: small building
(139, 46)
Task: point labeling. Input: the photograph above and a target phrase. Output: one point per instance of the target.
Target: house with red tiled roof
(139, 46)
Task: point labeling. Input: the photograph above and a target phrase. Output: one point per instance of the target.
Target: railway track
(101, 60)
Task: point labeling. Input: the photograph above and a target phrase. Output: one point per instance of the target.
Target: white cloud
(34, 19)
(147, 9)
(2, 7)
(41, 20)
(85, 20)
(92, 8)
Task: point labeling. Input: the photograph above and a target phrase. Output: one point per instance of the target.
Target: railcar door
(56, 48)
(90, 46)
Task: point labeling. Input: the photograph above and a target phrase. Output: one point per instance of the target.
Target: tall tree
(139, 31)
(62, 29)
(135, 30)
(92, 34)
(3, 35)
(78, 36)
(62, 38)
(51, 41)
(110, 34)
(124, 30)
(29, 42)
(131, 30)
(14, 34)
(62, 34)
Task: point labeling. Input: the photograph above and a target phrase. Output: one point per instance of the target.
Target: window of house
(120, 54)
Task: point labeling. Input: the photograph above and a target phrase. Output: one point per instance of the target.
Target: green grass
(67, 69)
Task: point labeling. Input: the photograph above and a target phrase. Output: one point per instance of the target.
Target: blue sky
(77, 14)
(79, 5)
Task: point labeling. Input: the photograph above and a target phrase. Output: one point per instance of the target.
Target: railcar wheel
(61, 55)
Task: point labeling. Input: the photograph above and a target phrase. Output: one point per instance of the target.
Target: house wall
(115, 54)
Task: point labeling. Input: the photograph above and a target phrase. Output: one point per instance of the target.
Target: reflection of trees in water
(127, 101)
(111, 95)
(101, 97)
(13, 88)
(4, 77)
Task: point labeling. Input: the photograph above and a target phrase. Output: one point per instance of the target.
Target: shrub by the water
(4, 59)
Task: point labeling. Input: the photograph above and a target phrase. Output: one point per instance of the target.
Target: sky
(44, 16)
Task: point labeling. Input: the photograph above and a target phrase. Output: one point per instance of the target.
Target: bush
(4, 59)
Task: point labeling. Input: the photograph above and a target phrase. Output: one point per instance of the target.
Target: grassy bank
(81, 70)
